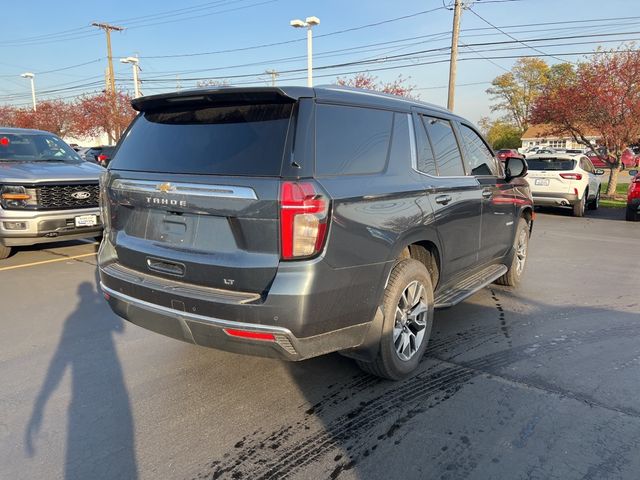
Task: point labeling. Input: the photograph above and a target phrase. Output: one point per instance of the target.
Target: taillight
(571, 176)
(304, 213)
(102, 158)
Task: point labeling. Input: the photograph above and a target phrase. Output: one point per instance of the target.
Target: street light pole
(308, 23)
(31, 76)
(135, 63)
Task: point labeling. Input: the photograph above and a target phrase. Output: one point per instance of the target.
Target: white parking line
(24, 265)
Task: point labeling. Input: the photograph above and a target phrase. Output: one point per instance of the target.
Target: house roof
(542, 130)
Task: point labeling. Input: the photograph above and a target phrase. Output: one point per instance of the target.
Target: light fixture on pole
(134, 61)
(308, 23)
(31, 76)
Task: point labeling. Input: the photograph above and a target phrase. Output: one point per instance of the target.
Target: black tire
(595, 203)
(579, 208)
(514, 274)
(632, 214)
(4, 252)
(388, 363)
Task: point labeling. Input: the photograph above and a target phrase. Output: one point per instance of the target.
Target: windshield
(550, 164)
(36, 147)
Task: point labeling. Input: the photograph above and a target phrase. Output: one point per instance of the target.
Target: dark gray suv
(294, 222)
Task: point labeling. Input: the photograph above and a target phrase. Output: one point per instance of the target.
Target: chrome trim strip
(412, 143)
(189, 189)
(211, 321)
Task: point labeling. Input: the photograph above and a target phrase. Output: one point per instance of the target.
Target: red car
(507, 152)
(633, 197)
(629, 159)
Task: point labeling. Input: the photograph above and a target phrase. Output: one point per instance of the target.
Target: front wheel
(632, 214)
(4, 252)
(521, 249)
(408, 317)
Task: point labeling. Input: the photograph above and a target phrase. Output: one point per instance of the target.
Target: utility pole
(274, 74)
(107, 30)
(111, 79)
(457, 13)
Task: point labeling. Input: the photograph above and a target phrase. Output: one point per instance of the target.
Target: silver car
(47, 192)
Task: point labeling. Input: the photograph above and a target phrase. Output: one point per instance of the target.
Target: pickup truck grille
(60, 197)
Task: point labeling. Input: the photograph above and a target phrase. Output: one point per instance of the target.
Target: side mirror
(514, 167)
(633, 173)
(598, 171)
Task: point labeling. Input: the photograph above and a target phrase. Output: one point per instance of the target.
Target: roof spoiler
(221, 97)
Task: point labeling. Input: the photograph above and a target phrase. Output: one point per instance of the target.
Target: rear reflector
(249, 334)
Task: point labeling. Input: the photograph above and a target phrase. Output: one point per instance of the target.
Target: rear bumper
(45, 226)
(212, 332)
(552, 199)
(310, 308)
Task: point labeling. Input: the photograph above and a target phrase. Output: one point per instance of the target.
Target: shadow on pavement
(435, 425)
(603, 213)
(100, 434)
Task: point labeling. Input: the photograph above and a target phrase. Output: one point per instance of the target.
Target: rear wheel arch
(426, 252)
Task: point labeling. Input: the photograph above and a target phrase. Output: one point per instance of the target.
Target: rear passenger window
(445, 147)
(400, 142)
(426, 161)
(351, 140)
(480, 161)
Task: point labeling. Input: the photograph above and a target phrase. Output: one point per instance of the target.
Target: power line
(407, 56)
(286, 42)
(511, 36)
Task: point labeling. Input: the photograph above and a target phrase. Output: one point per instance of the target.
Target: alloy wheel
(521, 251)
(410, 321)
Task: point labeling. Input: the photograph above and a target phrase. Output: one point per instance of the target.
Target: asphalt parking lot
(541, 382)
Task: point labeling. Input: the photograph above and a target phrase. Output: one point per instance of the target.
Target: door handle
(487, 193)
(443, 199)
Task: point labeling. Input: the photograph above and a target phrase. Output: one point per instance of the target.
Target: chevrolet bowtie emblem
(165, 187)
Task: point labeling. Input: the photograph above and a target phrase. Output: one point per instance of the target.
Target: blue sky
(40, 36)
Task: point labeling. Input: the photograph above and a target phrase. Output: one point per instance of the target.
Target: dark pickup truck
(294, 222)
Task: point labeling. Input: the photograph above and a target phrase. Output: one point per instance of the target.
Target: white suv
(564, 180)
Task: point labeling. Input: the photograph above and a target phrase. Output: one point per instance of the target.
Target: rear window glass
(224, 140)
(351, 140)
(550, 164)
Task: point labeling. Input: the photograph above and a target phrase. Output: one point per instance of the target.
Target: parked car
(47, 192)
(100, 155)
(564, 180)
(294, 222)
(105, 155)
(633, 197)
(503, 154)
(628, 159)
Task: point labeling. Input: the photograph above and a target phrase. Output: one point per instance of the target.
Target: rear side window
(426, 160)
(351, 140)
(445, 147)
(550, 164)
(220, 140)
(480, 160)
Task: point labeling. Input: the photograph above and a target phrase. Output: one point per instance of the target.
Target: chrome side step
(469, 286)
